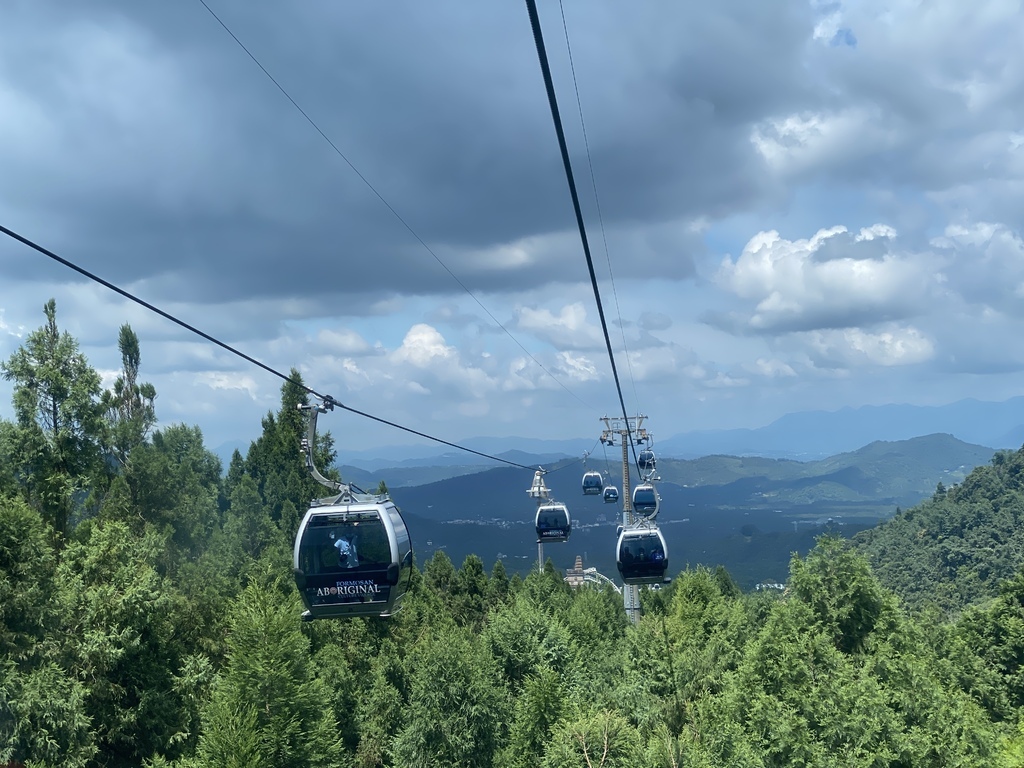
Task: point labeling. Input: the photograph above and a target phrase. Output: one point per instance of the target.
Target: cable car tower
(552, 520)
(623, 429)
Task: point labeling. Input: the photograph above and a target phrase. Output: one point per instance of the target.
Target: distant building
(574, 576)
(577, 576)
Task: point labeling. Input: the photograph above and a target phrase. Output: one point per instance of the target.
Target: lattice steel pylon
(624, 430)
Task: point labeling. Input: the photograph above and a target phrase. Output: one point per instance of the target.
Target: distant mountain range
(878, 476)
(743, 498)
(883, 472)
(802, 436)
(748, 514)
(817, 434)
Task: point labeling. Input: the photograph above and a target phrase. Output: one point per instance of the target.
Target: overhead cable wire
(538, 38)
(597, 200)
(576, 461)
(388, 205)
(328, 400)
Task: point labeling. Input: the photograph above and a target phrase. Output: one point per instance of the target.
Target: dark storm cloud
(931, 99)
(819, 318)
(204, 176)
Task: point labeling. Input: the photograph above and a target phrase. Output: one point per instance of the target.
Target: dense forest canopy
(959, 546)
(148, 616)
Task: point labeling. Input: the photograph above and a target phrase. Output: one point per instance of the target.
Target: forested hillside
(148, 617)
(960, 545)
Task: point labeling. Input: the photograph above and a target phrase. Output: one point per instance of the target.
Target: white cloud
(854, 348)
(664, 365)
(506, 256)
(831, 280)
(578, 367)
(810, 141)
(437, 364)
(423, 346)
(568, 329)
(342, 342)
(15, 332)
(988, 265)
(520, 375)
(107, 377)
(726, 381)
(230, 381)
(416, 388)
(771, 368)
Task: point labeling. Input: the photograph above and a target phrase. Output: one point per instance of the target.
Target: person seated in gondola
(348, 557)
(657, 555)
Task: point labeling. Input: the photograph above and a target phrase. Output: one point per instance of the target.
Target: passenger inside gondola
(341, 546)
(642, 557)
(348, 557)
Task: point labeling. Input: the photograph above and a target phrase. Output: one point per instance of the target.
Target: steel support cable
(597, 201)
(388, 205)
(328, 400)
(538, 38)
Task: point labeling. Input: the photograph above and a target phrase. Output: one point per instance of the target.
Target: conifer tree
(128, 405)
(57, 451)
(456, 705)
(276, 462)
(267, 701)
(119, 631)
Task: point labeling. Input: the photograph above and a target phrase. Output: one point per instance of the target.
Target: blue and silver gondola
(642, 555)
(553, 522)
(352, 559)
(593, 483)
(646, 500)
(353, 554)
(646, 462)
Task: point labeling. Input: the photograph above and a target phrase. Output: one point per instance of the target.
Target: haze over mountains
(803, 436)
(746, 513)
(744, 498)
(816, 434)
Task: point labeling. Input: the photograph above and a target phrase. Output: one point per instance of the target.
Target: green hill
(748, 514)
(887, 472)
(954, 548)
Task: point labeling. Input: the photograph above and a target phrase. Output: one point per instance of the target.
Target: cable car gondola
(646, 500)
(352, 559)
(553, 522)
(593, 483)
(642, 555)
(353, 553)
(647, 461)
(611, 494)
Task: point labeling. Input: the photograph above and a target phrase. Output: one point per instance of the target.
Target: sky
(791, 205)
